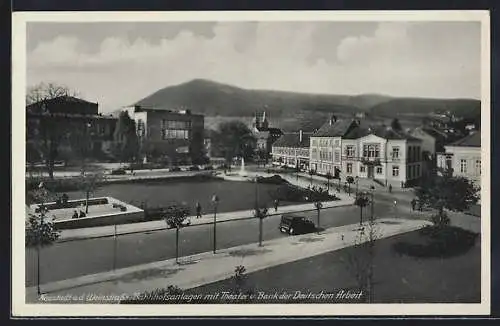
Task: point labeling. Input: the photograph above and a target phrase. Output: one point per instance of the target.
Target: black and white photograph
(269, 163)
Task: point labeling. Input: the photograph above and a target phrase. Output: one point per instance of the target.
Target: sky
(119, 63)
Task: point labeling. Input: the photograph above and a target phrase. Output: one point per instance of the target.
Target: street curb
(79, 238)
(91, 279)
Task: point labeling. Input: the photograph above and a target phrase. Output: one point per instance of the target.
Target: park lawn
(398, 278)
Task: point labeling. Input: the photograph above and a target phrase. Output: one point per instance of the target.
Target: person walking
(413, 204)
(198, 210)
(390, 188)
(276, 203)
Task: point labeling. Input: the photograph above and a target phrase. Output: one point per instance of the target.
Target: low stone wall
(103, 220)
(130, 215)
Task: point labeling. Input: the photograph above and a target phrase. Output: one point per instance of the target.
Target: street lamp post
(215, 201)
(372, 203)
(357, 181)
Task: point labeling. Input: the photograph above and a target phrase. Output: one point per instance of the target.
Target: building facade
(292, 150)
(326, 146)
(70, 127)
(463, 158)
(265, 136)
(175, 137)
(344, 148)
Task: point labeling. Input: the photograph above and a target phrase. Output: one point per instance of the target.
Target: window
(395, 152)
(314, 142)
(362, 168)
(478, 167)
(329, 156)
(371, 151)
(349, 168)
(395, 171)
(337, 156)
(337, 142)
(350, 151)
(463, 166)
(175, 129)
(314, 154)
(379, 170)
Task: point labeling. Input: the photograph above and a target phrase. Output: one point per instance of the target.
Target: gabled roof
(381, 131)
(292, 140)
(336, 129)
(472, 140)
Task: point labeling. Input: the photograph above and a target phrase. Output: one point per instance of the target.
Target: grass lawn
(398, 278)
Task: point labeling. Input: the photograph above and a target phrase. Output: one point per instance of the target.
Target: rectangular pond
(233, 195)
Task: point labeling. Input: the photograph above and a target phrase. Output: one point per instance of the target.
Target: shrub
(119, 171)
(275, 179)
(438, 242)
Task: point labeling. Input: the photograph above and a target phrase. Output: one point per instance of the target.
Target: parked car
(174, 169)
(119, 171)
(208, 167)
(194, 168)
(186, 222)
(293, 224)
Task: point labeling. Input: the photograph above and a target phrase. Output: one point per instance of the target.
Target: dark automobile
(119, 171)
(174, 169)
(293, 224)
(194, 168)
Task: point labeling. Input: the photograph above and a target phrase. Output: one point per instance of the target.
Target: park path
(200, 269)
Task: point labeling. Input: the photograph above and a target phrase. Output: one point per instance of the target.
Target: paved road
(75, 258)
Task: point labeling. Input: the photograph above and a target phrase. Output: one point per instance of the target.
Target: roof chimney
(300, 136)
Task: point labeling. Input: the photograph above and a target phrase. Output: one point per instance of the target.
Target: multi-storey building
(292, 150)
(390, 156)
(463, 158)
(326, 146)
(174, 136)
(344, 148)
(265, 136)
(69, 127)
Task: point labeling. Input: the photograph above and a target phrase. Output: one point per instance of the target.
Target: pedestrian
(390, 188)
(82, 214)
(413, 203)
(75, 214)
(276, 203)
(198, 210)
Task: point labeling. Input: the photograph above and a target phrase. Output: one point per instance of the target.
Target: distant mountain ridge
(217, 99)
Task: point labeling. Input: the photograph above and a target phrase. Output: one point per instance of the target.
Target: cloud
(396, 58)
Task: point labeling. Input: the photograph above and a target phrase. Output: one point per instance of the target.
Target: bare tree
(360, 262)
(47, 91)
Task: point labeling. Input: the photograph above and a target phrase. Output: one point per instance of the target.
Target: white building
(463, 158)
(382, 154)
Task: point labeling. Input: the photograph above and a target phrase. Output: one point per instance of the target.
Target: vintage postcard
(251, 163)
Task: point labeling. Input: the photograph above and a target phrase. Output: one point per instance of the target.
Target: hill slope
(216, 99)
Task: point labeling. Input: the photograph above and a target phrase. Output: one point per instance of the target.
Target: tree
(47, 134)
(318, 205)
(126, 143)
(40, 231)
(396, 125)
(454, 193)
(233, 139)
(88, 184)
(174, 216)
(361, 200)
(360, 261)
(261, 214)
(350, 180)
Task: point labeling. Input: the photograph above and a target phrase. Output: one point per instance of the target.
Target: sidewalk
(196, 270)
(104, 231)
